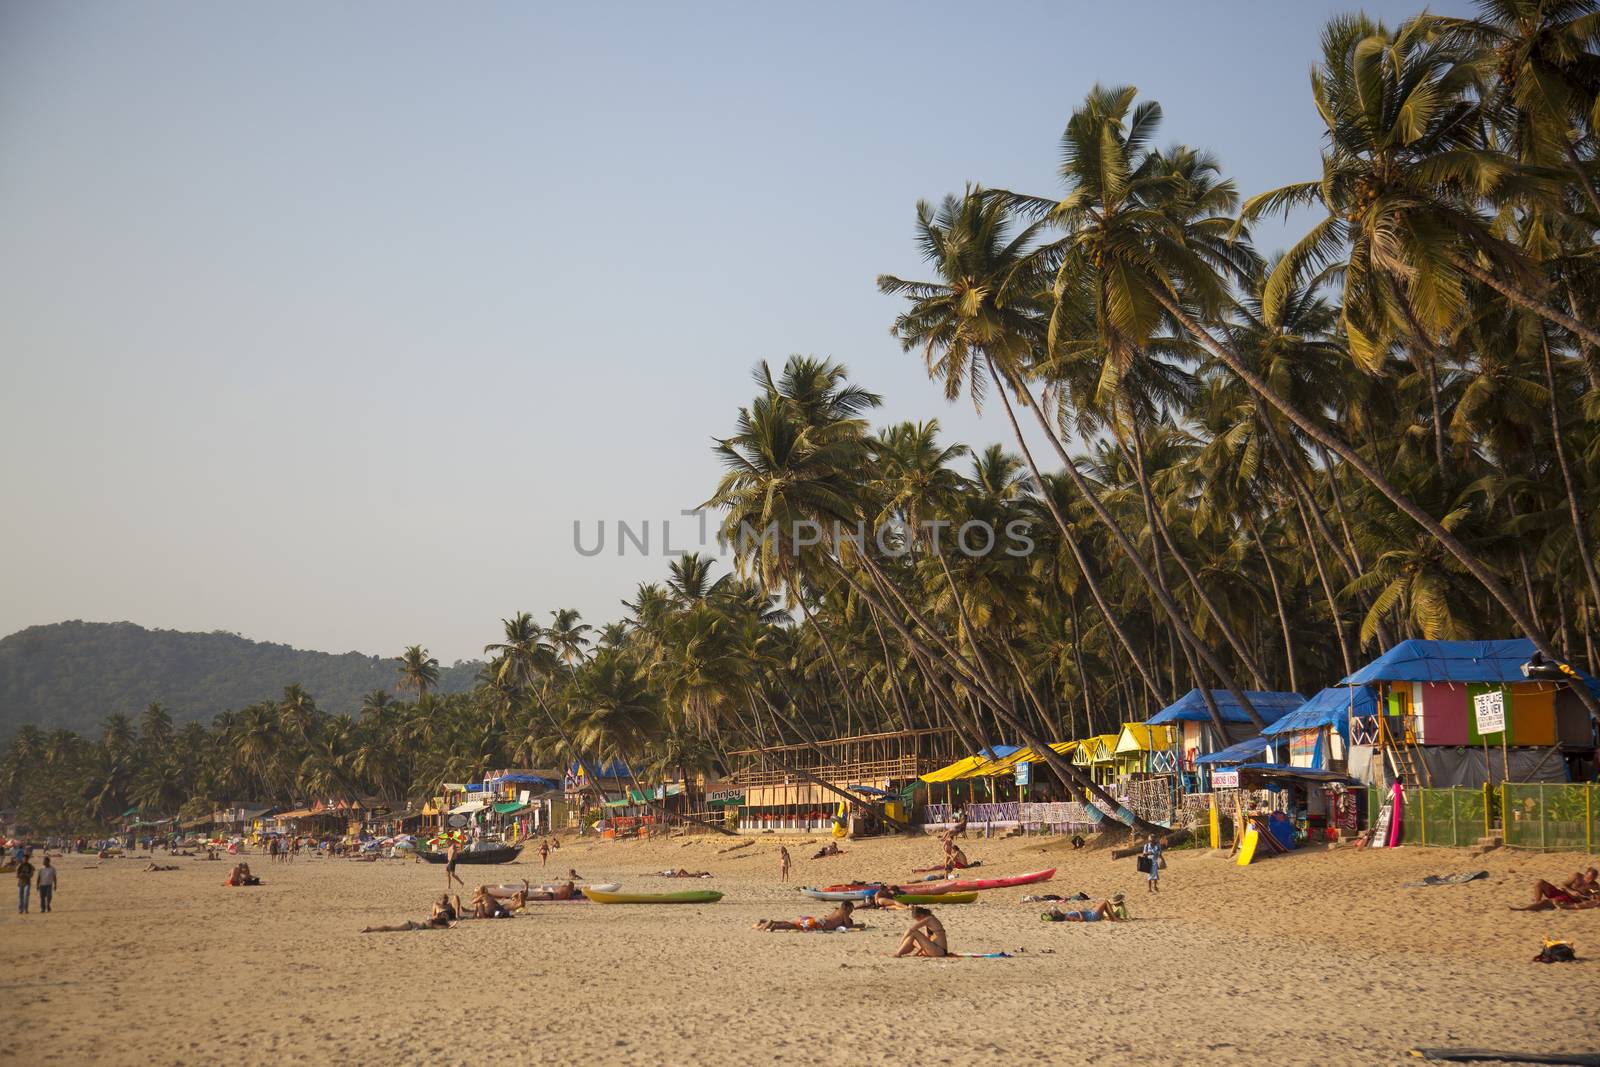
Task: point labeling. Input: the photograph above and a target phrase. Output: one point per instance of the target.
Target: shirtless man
(925, 936)
(450, 874)
(443, 916)
(1580, 892)
(836, 919)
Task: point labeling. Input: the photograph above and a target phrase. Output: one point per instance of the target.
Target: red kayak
(969, 884)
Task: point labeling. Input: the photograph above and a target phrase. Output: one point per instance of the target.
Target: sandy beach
(1313, 959)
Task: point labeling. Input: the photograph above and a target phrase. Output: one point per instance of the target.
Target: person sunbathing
(485, 906)
(159, 867)
(925, 937)
(565, 891)
(830, 849)
(837, 919)
(1547, 897)
(240, 875)
(443, 916)
(885, 898)
(1584, 883)
(683, 873)
(1108, 910)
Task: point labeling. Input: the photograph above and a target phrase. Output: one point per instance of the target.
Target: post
(1455, 824)
(1422, 815)
(1544, 822)
(1486, 813)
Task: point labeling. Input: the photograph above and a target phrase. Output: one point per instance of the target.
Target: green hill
(74, 674)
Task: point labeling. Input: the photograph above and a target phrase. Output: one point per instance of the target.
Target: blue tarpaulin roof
(1331, 707)
(1191, 707)
(1448, 661)
(1242, 752)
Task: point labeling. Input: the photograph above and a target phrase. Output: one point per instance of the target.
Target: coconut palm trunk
(1475, 566)
(1107, 520)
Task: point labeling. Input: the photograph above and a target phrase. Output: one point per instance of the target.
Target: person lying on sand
(158, 867)
(682, 873)
(837, 919)
(1584, 883)
(1547, 897)
(925, 936)
(830, 849)
(443, 917)
(567, 891)
(1110, 910)
(884, 898)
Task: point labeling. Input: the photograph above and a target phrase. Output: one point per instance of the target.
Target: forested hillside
(74, 674)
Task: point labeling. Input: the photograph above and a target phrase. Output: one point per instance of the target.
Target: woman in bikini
(925, 937)
(837, 919)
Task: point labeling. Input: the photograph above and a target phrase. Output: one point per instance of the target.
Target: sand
(1315, 958)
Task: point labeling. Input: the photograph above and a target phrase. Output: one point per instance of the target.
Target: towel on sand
(1447, 879)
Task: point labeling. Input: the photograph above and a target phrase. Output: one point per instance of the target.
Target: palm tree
(418, 670)
(1140, 258)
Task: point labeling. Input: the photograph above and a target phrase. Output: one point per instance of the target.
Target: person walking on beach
(1152, 855)
(544, 853)
(450, 867)
(47, 884)
(783, 863)
(24, 884)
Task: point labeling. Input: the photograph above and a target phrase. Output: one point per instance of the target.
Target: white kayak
(506, 892)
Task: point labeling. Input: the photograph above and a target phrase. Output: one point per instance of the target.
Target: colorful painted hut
(1465, 713)
(1196, 735)
(1316, 735)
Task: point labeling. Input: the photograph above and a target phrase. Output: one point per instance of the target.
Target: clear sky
(323, 323)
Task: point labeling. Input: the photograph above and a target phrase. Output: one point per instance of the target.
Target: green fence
(1552, 816)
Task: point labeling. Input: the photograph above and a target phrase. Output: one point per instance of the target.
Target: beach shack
(782, 788)
(1195, 735)
(1141, 750)
(1464, 713)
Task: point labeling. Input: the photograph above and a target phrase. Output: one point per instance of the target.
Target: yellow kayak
(690, 896)
(937, 898)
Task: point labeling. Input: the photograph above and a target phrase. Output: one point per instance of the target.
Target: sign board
(1224, 779)
(1024, 773)
(1490, 709)
(457, 821)
(729, 795)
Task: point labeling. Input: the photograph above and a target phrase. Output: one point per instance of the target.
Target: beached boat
(936, 898)
(970, 885)
(506, 892)
(690, 896)
(497, 854)
(836, 893)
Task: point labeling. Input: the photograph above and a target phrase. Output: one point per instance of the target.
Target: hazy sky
(324, 322)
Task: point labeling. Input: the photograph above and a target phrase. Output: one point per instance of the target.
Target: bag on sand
(1556, 952)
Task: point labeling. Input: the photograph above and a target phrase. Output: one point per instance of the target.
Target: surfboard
(1385, 825)
(1216, 825)
(1247, 849)
(1397, 823)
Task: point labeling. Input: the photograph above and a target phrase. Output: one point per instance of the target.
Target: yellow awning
(1137, 737)
(1022, 755)
(958, 769)
(1104, 748)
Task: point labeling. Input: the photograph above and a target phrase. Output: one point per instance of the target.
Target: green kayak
(936, 898)
(690, 896)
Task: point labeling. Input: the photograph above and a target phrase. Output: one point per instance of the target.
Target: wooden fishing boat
(498, 854)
